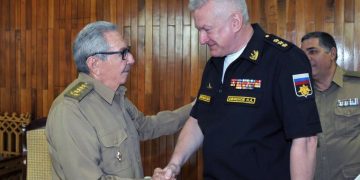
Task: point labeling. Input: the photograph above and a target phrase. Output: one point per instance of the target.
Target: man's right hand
(168, 173)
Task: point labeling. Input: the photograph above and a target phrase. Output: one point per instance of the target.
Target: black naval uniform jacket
(248, 121)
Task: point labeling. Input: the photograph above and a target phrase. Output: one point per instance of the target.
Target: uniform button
(119, 156)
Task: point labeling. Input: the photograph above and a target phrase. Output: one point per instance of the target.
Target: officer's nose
(203, 37)
(130, 59)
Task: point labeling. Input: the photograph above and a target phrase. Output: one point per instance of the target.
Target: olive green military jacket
(338, 153)
(94, 133)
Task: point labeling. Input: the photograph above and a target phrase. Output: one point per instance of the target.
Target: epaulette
(352, 73)
(79, 91)
(278, 42)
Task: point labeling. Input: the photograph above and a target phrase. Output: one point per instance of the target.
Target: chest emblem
(241, 99)
(245, 83)
(348, 102)
(205, 98)
(209, 86)
(302, 85)
(254, 55)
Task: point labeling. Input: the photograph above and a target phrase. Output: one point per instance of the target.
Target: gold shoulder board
(79, 91)
(277, 42)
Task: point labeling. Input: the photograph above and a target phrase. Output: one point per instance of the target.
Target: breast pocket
(351, 171)
(347, 120)
(115, 159)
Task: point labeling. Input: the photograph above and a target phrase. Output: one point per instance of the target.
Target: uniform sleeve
(295, 96)
(73, 143)
(163, 123)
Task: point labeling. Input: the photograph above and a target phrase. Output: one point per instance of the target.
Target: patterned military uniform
(338, 154)
(248, 121)
(94, 133)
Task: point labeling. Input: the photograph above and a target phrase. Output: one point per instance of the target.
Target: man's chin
(214, 53)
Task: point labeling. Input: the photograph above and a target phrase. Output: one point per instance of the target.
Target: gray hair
(236, 4)
(91, 40)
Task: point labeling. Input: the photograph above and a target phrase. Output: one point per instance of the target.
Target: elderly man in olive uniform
(93, 130)
(337, 97)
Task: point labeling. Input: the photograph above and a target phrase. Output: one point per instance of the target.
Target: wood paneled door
(36, 59)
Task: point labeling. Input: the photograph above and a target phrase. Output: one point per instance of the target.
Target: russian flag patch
(302, 85)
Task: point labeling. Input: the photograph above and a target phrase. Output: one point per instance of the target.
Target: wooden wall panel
(36, 60)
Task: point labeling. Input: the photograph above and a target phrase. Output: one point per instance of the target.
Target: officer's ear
(333, 53)
(93, 65)
(236, 21)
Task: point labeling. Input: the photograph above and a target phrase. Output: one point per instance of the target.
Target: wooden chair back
(12, 137)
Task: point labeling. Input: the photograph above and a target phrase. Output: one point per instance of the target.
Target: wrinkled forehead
(115, 40)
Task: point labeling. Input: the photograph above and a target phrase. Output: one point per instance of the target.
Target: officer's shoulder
(79, 91)
(278, 42)
(355, 74)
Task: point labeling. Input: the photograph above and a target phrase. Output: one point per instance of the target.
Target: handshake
(168, 173)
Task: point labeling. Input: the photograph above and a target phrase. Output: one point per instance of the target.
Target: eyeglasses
(123, 53)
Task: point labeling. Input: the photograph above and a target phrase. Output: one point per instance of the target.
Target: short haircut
(325, 39)
(237, 4)
(90, 40)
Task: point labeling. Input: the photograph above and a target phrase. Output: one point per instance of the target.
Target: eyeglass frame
(123, 53)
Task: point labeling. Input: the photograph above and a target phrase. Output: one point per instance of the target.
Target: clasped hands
(168, 173)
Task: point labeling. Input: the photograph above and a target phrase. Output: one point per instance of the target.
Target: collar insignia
(254, 55)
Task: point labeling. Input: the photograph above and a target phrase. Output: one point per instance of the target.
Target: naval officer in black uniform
(255, 113)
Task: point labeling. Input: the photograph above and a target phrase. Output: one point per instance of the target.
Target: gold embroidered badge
(203, 97)
(302, 85)
(304, 90)
(254, 55)
(79, 91)
(241, 99)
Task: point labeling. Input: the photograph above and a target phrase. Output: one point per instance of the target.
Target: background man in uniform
(93, 130)
(337, 97)
(255, 113)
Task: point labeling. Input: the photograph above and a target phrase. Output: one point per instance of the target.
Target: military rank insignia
(79, 91)
(281, 43)
(302, 85)
(245, 83)
(277, 42)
